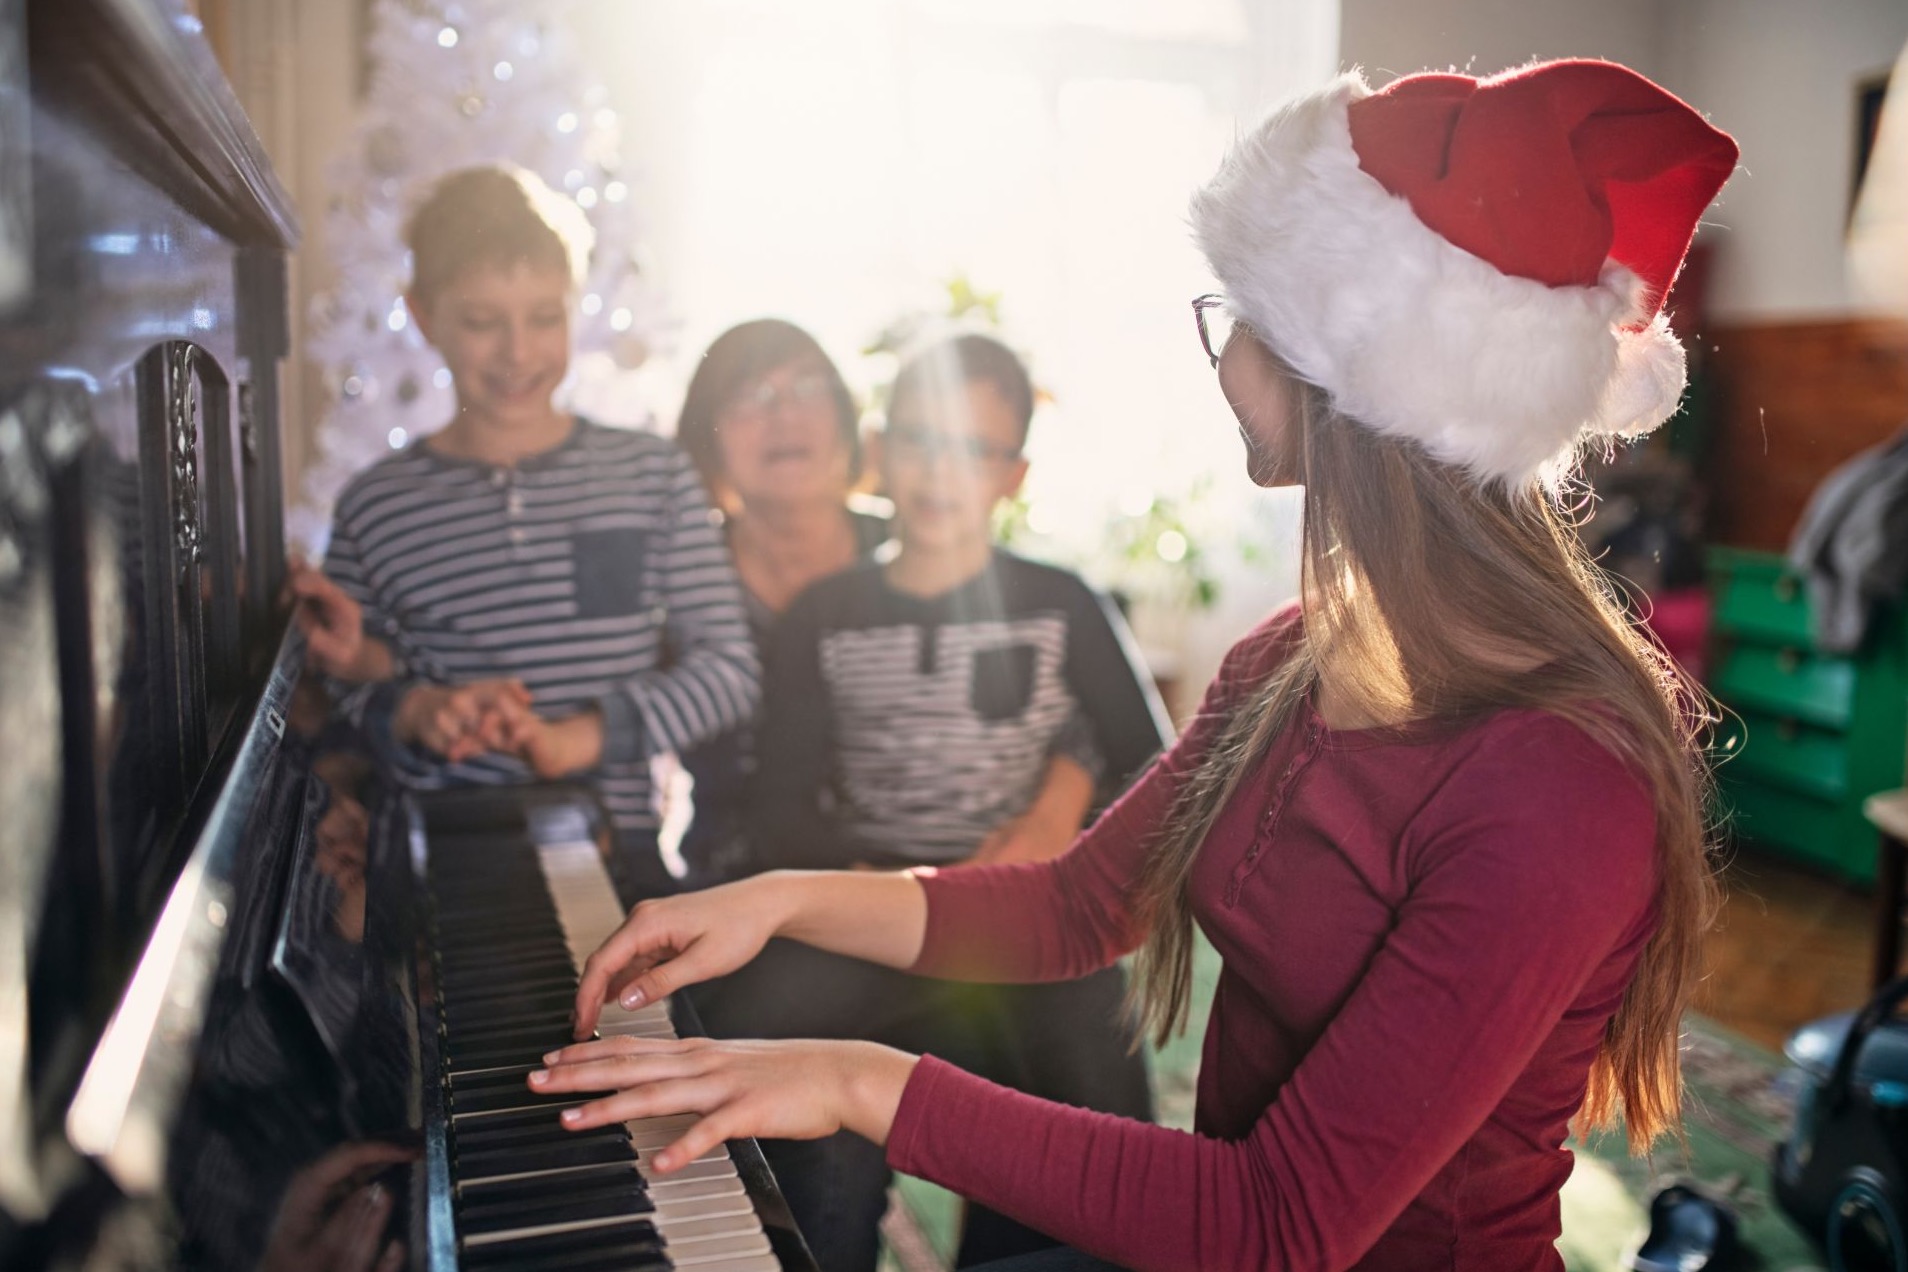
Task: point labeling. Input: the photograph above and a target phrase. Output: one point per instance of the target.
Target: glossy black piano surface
(228, 1032)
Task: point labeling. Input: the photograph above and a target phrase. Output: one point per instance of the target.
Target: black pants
(1061, 1041)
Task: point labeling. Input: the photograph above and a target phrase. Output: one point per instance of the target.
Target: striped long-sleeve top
(899, 729)
(592, 572)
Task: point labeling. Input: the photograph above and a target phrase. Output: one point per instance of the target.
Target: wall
(1798, 381)
(1778, 74)
(1480, 37)
(1781, 76)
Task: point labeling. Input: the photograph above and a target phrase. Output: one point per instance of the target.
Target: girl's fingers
(598, 1048)
(653, 1099)
(720, 1126)
(613, 1073)
(629, 942)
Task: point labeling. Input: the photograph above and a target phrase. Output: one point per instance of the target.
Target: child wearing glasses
(913, 709)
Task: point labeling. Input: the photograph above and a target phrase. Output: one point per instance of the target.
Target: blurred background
(850, 163)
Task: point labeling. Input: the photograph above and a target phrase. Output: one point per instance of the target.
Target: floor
(1791, 946)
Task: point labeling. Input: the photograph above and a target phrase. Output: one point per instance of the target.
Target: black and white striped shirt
(899, 729)
(592, 572)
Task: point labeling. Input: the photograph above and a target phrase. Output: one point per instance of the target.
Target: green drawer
(1789, 683)
(1756, 596)
(1767, 750)
(1797, 825)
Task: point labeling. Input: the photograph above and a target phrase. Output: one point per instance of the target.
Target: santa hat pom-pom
(1647, 384)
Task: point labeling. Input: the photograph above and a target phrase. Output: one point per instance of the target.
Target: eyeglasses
(922, 446)
(757, 400)
(1214, 330)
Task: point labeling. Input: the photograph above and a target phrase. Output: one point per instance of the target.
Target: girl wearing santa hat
(1442, 819)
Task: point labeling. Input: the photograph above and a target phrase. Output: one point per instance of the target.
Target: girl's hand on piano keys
(671, 942)
(776, 1090)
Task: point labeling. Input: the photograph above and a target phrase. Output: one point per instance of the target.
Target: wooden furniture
(1792, 401)
(1808, 735)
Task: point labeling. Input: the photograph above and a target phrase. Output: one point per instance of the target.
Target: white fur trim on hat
(1412, 335)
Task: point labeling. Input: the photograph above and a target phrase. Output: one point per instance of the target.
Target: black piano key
(468, 1091)
(624, 1245)
(496, 1057)
(505, 1022)
(501, 1099)
(513, 1160)
(476, 988)
(599, 1200)
(540, 1115)
(498, 931)
(630, 1257)
(495, 934)
(508, 1075)
(500, 1190)
(510, 970)
(511, 1002)
(531, 1040)
(477, 1139)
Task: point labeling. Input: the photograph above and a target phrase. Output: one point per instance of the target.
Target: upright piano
(258, 1008)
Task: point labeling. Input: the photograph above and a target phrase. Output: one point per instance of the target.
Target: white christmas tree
(455, 83)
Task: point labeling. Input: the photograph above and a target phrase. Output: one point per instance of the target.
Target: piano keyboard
(515, 921)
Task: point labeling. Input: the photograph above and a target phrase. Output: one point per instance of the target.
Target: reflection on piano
(258, 1008)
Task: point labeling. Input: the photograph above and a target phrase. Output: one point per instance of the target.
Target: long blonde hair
(1413, 577)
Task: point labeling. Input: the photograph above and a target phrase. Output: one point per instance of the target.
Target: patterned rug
(1739, 1101)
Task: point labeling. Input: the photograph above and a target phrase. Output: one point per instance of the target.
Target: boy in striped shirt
(542, 597)
(912, 709)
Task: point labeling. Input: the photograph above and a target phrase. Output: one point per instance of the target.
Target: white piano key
(714, 1206)
(703, 1212)
(697, 1253)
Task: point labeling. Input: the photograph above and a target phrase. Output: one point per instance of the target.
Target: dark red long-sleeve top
(1423, 932)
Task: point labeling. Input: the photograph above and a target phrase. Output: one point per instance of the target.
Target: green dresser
(1809, 735)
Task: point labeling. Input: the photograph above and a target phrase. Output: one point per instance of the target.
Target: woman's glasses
(1215, 324)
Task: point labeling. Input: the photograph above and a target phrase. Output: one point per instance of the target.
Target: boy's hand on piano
(775, 1090)
(1050, 824)
(332, 622)
(463, 721)
(558, 748)
(670, 942)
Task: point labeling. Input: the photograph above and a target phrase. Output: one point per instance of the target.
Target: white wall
(1390, 38)
(1780, 75)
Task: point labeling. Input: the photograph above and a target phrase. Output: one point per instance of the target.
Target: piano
(259, 1007)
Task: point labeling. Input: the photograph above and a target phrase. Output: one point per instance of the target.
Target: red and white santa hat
(1478, 265)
